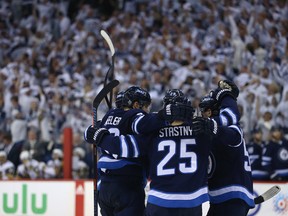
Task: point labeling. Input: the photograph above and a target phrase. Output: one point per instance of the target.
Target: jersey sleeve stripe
(223, 120)
(135, 146)
(135, 124)
(229, 114)
(124, 147)
(240, 132)
(267, 159)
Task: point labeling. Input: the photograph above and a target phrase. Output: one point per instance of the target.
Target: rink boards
(75, 198)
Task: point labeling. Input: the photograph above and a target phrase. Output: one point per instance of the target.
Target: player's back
(122, 180)
(112, 120)
(110, 165)
(178, 167)
(230, 176)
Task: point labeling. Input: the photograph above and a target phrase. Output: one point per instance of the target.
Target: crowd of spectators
(53, 61)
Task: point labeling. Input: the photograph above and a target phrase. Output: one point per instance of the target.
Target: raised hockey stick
(267, 194)
(96, 102)
(110, 72)
(101, 95)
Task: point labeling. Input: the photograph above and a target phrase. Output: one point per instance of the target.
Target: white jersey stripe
(231, 114)
(230, 189)
(124, 147)
(135, 123)
(175, 196)
(136, 151)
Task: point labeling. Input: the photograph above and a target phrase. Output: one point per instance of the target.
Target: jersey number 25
(183, 167)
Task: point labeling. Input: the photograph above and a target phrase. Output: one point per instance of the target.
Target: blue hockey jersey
(117, 124)
(120, 122)
(230, 170)
(275, 159)
(255, 153)
(230, 175)
(177, 162)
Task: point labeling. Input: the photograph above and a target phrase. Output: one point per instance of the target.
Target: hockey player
(80, 169)
(29, 168)
(275, 156)
(119, 99)
(173, 161)
(121, 188)
(146, 123)
(230, 182)
(56, 163)
(177, 161)
(255, 148)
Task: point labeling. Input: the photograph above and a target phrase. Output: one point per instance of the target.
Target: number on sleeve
(247, 163)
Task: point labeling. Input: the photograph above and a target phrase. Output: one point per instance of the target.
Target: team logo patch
(211, 165)
(283, 154)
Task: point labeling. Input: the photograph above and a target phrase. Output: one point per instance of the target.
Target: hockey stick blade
(101, 95)
(267, 195)
(109, 42)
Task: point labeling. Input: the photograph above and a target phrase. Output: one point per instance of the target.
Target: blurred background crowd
(53, 61)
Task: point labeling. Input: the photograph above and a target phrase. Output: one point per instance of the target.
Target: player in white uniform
(7, 168)
(29, 168)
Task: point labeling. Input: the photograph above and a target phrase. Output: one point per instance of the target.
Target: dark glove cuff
(214, 127)
(99, 134)
(223, 93)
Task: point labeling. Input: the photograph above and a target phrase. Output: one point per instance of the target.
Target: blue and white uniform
(121, 188)
(121, 191)
(230, 182)
(177, 162)
(255, 152)
(275, 159)
(107, 163)
(230, 177)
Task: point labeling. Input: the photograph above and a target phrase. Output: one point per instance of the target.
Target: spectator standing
(2, 112)
(266, 123)
(12, 150)
(64, 23)
(34, 145)
(18, 127)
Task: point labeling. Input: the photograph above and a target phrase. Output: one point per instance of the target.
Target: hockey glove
(172, 112)
(95, 135)
(225, 88)
(204, 126)
(228, 84)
